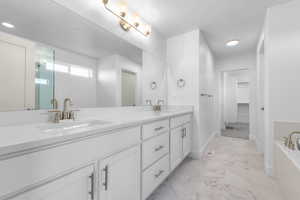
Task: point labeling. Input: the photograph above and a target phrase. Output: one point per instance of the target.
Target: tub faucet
(288, 141)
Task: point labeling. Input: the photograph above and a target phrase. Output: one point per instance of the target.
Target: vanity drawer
(152, 129)
(154, 176)
(154, 149)
(180, 120)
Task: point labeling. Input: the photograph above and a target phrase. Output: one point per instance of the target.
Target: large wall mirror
(48, 52)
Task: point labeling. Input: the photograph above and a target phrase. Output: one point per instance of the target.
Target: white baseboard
(199, 154)
(252, 137)
(269, 171)
(259, 146)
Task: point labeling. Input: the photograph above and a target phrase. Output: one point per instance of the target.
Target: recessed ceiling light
(232, 43)
(7, 25)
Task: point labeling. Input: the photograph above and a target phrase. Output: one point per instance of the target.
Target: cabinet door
(176, 147)
(120, 176)
(78, 185)
(187, 139)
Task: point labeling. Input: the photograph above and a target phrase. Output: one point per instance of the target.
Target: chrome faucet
(157, 107)
(288, 141)
(67, 113)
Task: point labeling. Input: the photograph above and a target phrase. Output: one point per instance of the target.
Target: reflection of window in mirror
(76, 82)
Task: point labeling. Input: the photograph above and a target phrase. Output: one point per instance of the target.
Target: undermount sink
(71, 125)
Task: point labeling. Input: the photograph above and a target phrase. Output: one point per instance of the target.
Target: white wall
(282, 61)
(109, 89)
(189, 58)
(230, 104)
(82, 90)
(154, 69)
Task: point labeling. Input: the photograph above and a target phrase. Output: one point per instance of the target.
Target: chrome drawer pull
(92, 192)
(183, 133)
(159, 173)
(105, 183)
(159, 148)
(159, 128)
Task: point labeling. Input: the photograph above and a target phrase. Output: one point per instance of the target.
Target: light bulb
(148, 29)
(122, 8)
(136, 20)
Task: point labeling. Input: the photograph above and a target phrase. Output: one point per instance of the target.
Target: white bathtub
(287, 170)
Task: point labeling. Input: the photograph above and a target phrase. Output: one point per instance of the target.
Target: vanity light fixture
(232, 43)
(7, 25)
(127, 21)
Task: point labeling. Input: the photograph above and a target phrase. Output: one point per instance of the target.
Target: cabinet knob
(159, 128)
(159, 173)
(159, 148)
(183, 134)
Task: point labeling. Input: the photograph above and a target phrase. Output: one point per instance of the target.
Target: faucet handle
(286, 141)
(160, 102)
(148, 102)
(72, 114)
(54, 102)
(298, 144)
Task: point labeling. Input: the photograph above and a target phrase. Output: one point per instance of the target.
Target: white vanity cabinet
(180, 139)
(176, 144)
(77, 185)
(119, 176)
(165, 144)
(187, 139)
(155, 155)
(124, 164)
(50, 170)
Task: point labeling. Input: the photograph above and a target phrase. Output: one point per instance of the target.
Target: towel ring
(153, 85)
(180, 83)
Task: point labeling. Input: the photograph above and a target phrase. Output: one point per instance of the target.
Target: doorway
(129, 86)
(236, 100)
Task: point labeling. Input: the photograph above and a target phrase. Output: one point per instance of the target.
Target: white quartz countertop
(29, 136)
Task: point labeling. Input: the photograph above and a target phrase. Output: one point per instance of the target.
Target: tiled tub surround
(100, 162)
(286, 161)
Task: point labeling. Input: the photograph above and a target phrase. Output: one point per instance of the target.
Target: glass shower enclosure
(44, 77)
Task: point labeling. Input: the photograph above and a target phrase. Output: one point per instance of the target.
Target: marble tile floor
(231, 169)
